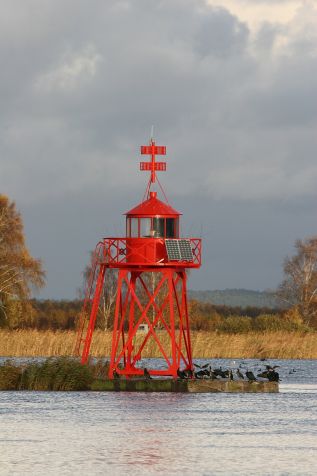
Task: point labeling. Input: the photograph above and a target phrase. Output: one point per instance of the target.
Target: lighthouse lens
(158, 227)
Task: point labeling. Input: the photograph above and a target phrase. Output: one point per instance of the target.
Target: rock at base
(184, 386)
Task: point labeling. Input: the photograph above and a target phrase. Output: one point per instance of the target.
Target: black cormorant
(146, 373)
(220, 373)
(273, 376)
(180, 374)
(240, 374)
(250, 375)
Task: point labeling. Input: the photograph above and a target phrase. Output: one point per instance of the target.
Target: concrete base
(184, 386)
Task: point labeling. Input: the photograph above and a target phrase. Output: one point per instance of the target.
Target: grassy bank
(284, 345)
(55, 374)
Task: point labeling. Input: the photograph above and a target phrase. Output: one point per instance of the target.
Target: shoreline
(269, 345)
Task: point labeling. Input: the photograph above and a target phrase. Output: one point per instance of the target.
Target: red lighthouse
(151, 290)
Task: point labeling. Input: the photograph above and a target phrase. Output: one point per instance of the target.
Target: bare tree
(299, 286)
(108, 295)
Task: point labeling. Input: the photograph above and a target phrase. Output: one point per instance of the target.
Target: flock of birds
(206, 372)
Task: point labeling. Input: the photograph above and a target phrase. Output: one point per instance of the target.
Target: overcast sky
(230, 86)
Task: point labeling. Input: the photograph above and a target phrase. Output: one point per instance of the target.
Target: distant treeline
(41, 314)
(64, 315)
(208, 317)
(55, 315)
(238, 297)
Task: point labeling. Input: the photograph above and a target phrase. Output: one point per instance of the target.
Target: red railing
(126, 252)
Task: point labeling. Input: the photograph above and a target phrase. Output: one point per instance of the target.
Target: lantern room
(152, 219)
(148, 225)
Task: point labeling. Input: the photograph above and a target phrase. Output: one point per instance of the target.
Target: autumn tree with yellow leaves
(19, 271)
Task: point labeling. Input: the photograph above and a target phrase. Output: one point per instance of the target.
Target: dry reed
(283, 345)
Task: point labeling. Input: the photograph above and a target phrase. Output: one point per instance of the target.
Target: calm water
(46, 433)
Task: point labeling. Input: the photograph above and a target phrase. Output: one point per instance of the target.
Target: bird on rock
(211, 374)
(250, 376)
(240, 374)
(146, 374)
(220, 373)
(181, 374)
(273, 376)
(201, 374)
(188, 373)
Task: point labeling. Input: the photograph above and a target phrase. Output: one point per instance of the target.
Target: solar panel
(173, 251)
(179, 250)
(185, 250)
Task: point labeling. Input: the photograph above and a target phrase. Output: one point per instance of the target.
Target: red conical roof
(152, 207)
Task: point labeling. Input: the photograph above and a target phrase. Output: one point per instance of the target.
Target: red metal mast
(151, 291)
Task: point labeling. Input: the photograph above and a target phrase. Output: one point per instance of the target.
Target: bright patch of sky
(255, 12)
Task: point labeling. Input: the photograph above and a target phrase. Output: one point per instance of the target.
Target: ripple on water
(129, 433)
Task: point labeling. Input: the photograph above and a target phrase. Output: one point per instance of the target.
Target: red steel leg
(93, 315)
(116, 331)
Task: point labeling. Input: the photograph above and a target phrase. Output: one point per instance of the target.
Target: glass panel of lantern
(134, 227)
(170, 227)
(145, 227)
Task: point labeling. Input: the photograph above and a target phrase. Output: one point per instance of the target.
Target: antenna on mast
(153, 150)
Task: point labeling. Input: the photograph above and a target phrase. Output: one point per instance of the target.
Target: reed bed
(279, 345)
(55, 374)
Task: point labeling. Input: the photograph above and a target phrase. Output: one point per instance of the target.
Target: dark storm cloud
(82, 82)
(92, 86)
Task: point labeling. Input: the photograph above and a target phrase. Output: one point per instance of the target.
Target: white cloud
(255, 12)
(73, 70)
